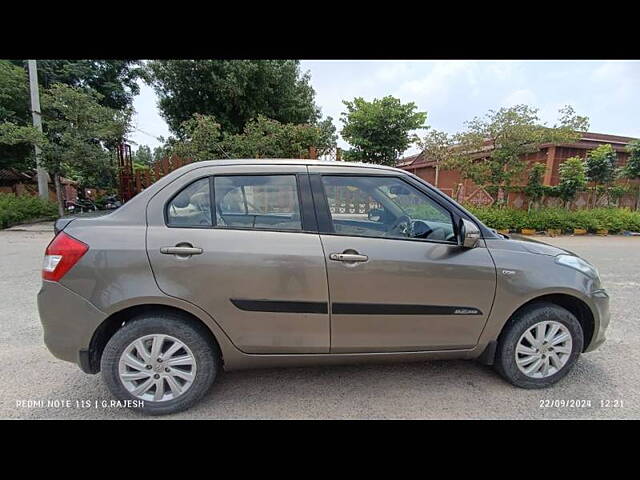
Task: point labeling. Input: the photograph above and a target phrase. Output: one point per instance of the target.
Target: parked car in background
(257, 263)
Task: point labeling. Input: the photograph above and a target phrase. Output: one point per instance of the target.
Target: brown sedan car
(254, 263)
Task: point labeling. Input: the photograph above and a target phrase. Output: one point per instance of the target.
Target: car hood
(527, 244)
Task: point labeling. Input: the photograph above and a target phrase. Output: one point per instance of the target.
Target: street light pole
(43, 184)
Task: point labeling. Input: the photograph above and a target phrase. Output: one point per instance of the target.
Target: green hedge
(612, 219)
(15, 209)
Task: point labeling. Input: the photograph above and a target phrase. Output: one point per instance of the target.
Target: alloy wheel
(543, 349)
(157, 368)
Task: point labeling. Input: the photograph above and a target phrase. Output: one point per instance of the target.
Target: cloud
(435, 86)
(620, 79)
(502, 71)
(392, 72)
(614, 70)
(518, 97)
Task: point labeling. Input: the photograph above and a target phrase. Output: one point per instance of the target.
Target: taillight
(62, 253)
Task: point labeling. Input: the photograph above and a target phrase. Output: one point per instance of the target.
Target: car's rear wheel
(539, 346)
(162, 361)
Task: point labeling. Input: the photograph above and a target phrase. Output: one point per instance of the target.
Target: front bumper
(600, 306)
(68, 320)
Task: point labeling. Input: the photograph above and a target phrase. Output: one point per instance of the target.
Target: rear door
(253, 257)
(398, 280)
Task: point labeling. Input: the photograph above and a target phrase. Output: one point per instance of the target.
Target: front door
(398, 280)
(254, 260)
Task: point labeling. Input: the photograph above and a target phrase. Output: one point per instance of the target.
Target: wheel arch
(116, 320)
(573, 304)
(578, 307)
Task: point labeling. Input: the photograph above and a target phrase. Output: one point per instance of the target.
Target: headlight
(578, 264)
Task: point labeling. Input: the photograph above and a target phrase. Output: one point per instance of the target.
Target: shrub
(573, 178)
(612, 219)
(16, 209)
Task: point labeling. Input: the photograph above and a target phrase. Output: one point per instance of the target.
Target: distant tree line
(264, 109)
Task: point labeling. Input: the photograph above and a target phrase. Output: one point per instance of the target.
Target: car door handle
(348, 257)
(182, 251)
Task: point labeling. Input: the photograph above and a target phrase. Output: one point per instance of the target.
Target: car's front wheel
(163, 362)
(539, 346)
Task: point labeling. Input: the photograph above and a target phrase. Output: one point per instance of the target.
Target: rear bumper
(600, 307)
(68, 320)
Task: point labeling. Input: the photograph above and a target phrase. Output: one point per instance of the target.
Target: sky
(455, 91)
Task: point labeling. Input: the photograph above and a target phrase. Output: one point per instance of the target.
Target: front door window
(385, 207)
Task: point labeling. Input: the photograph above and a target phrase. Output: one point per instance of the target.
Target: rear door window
(257, 201)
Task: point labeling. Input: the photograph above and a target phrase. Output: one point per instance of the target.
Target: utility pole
(43, 184)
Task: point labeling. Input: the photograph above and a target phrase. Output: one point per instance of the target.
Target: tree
(17, 135)
(14, 109)
(143, 155)
(601, 168)
(380, 131)
(200, 139)
(203, 139)
(326, 137)
(114, 80)
(572, 178)
(76, 131)
(160, 151)
(14, 93)
(232, 91)
(142, 159)
(436, 146)
(266, 138)
(631, 170)
(535, 189)
(570, 120)
(491, 151)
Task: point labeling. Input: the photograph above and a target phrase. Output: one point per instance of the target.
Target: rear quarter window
(191, 207)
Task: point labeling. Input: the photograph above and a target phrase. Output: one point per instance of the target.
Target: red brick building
(551, 155)
(26, 183)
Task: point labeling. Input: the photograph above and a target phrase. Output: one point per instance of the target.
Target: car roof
(287, 161)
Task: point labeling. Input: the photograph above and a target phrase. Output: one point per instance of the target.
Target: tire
(198, 347)
(522, 322)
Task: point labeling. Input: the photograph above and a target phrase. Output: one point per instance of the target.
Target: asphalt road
(36, 385)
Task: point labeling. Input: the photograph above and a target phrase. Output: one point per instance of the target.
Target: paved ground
(453, 389)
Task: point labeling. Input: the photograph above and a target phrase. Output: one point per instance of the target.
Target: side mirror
(469, 234)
